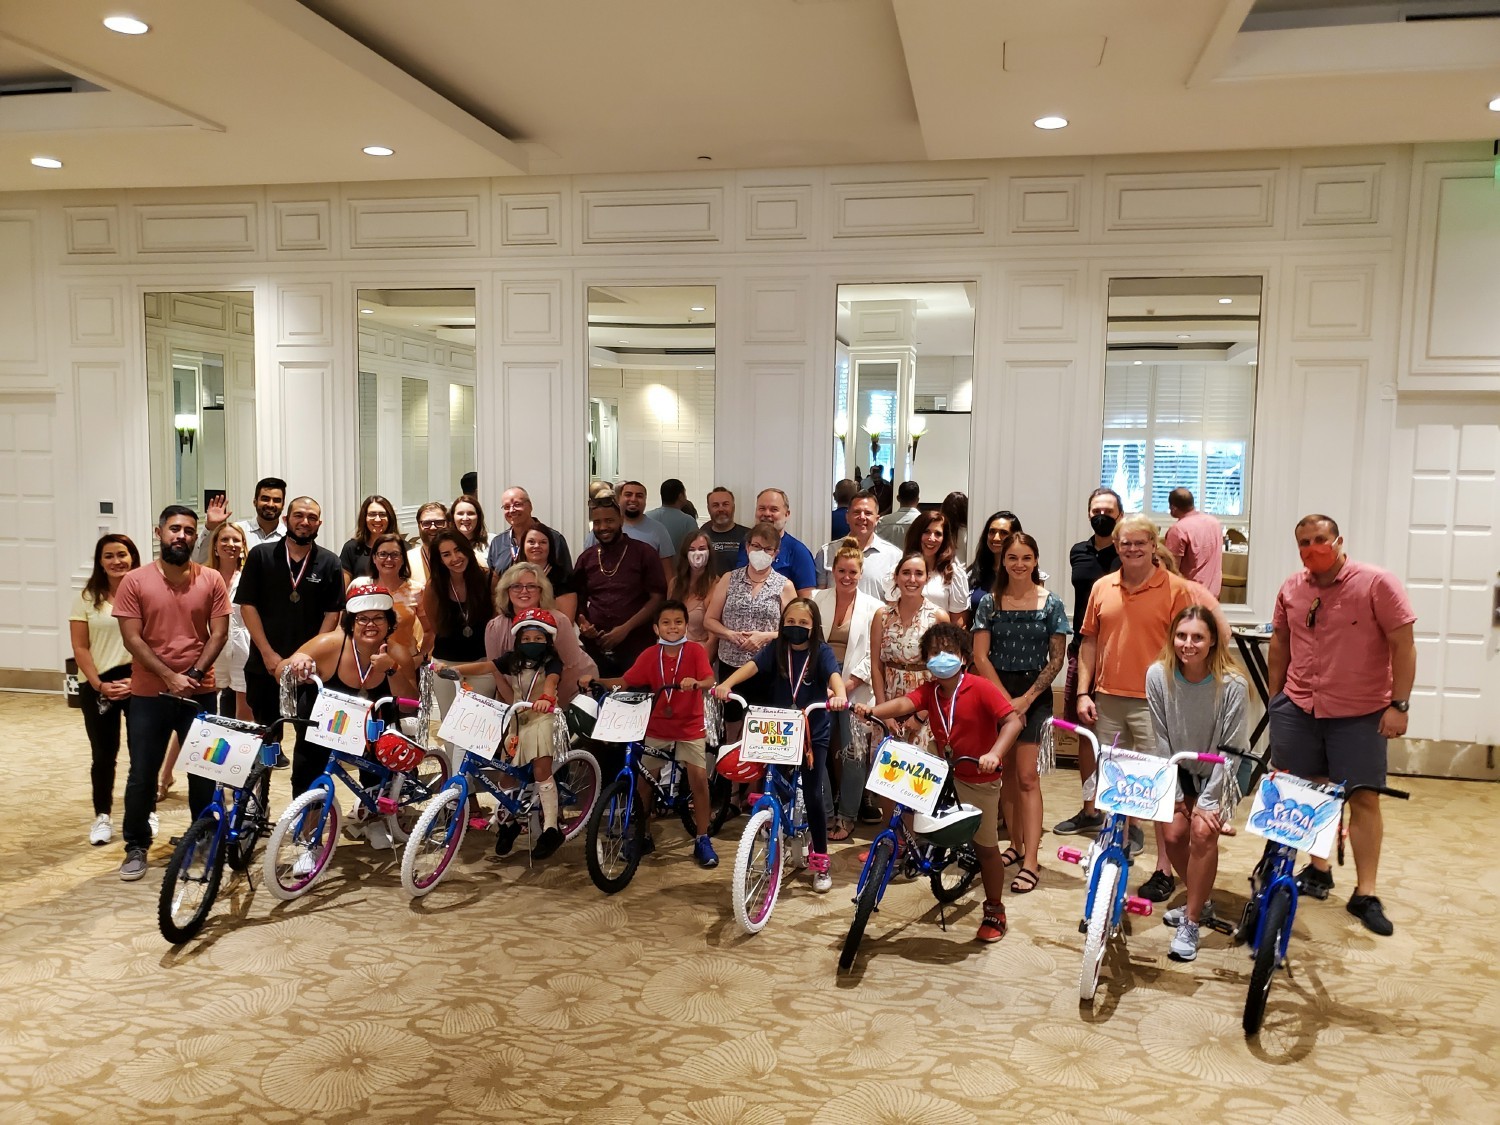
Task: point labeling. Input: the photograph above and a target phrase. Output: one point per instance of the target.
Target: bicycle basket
(581, 715)
(952, 827)
(729, 765)
(397, 752)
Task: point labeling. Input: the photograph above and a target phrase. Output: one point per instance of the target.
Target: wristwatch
(195, 674)
(1402, 705)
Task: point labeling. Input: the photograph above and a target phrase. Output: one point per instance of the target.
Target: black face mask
(532, 651)
(1103, 524)
(795, 634)
(301, 540)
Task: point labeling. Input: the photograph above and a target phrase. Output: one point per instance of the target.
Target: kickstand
(943, 916)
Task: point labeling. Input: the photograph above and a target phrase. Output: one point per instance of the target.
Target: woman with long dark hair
(692, 584)
(931, 536)
(377, 516)
(456, 606)
(986, 565)
(537, 547)
(468, 517)
(103, 670)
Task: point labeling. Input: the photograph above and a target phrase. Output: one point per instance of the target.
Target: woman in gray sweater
(1197, 702)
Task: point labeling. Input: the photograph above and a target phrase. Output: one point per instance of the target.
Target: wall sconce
(916, 428)
(187, 431)
(841, 427)
(872, 427)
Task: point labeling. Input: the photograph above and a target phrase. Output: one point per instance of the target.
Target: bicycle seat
(952, 827)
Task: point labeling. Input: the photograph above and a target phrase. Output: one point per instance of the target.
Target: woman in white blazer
(845, 612)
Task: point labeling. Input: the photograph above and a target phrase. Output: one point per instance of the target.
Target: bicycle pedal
(385, 806)
(1220, 927)
(1083, 927)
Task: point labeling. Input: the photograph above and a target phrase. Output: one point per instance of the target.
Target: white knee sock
(547, 791)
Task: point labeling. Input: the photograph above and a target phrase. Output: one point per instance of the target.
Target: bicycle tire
(577, 775)
(1097, 937)
(963, 861)
(866, 901)
(1278, 918)
(434, 772)
(437, 835)
(196, 862)
(757, 872)
(280, 875)
(249, 820)
(612, 857)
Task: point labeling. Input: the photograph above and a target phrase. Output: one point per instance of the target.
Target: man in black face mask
(290, 591)
(1090, 561)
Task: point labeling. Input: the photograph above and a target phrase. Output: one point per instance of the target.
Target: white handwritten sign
(1138, 785)
(1290, 812)
(220, 754)
(622, 719)
(773, 736)
(340, 722)
(907, 775)
(474, 723)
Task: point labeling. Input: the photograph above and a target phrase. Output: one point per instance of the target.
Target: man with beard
(289, 592)
(637, 525)
(174, 620)
(266, 527)
(620, 587)
(505, 548)
(432, 521)
(793, 560)
(724, 535)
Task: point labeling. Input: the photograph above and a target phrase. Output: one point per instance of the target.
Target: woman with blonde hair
(523, 586)
(1197, 701)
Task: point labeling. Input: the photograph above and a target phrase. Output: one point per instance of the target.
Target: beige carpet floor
(518, 994)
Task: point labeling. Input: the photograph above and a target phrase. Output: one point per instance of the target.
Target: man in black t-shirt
(289, 592)
(724, 535)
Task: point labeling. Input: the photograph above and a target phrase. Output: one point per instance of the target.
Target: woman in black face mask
(796, 671)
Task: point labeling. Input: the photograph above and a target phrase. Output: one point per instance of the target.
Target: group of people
(961, 657)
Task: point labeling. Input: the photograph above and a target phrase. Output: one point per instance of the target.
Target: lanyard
(531, 687)
(364, 672)
(797, 685)
(661, 663)
(296, 577)
(947, 719)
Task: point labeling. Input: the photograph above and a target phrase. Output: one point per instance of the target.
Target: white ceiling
(282, 91)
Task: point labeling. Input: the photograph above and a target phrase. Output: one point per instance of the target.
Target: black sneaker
(505, 837)
(1080, 823)
(643, 846)
(1368, 910)
(282, 761)
(1136, 842)
(1314, 881)
(548, 842)
(1158, 888)
(871, 815)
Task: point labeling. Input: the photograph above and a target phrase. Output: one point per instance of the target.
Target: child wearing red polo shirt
(969, 717)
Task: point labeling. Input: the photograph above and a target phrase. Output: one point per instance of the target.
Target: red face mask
(1319, 557)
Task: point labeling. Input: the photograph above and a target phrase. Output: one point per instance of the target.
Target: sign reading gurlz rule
(773, 735)
(907, 775)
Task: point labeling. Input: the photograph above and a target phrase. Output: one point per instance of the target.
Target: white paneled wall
(666, 421)
(1380, 266)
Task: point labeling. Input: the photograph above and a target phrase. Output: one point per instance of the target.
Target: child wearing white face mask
(693, 584)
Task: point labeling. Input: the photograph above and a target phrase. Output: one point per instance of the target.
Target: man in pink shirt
(1196, 541)
(1341, 664)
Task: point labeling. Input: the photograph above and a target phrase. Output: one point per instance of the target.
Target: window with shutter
(414, 442)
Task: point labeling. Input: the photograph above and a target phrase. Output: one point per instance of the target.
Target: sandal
(841, 829)
(1025, 882)
(163, 787)
(1010, 857)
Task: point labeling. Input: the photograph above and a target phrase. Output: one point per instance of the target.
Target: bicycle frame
(783, 783)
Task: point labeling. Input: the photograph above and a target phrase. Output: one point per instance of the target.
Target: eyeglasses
(366, 619)
(389, 556)
(432, 523)
(525, 587)
(1312, 613)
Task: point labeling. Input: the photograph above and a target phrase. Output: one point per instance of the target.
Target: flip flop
(1010, 857)
(840, 831)
(1025, 882)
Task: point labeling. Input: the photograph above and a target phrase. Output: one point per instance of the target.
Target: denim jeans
(149, 722)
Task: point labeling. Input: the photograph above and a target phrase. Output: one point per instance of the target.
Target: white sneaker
(1185, 942)
(155, 823)
(356, 822)
(1178, 915)
(822, 882)
(377, 836)
(306, 863)
(102, 832)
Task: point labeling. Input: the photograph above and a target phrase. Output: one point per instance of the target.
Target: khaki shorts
(690, 751)
(535, 738)
(1130, 719)
(985, 796)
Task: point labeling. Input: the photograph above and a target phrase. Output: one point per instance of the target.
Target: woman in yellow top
(103, 670)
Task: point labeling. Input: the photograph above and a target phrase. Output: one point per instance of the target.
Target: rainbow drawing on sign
(338, 723)
(218, 753)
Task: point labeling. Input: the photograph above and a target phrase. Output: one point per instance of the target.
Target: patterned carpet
(524, 995)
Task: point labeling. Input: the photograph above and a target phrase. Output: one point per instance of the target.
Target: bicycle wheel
(953, 874)
(191, 882)
(1099, 921)
(249, 820)
(865, 902)
(757, 872)
(577, 776)
(614, 834)
(299, 849)
(435, 840)
(1278, 919)
(433, 772)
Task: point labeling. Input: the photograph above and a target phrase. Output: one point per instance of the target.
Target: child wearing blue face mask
(969, 717)
(799, 670)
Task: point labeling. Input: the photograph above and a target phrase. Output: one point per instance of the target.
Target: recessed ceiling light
(1495, 104)
(1051, 121)
(1183, 336)
(366, 312)
(1226, 300)
(698, 308)
(624, 341)
(126, 25)
(1138, 362)
(378, 150)
(46, 161)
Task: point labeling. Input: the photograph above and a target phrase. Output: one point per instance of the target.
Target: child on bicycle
(969, 717)
(529, 673)
(799, 670)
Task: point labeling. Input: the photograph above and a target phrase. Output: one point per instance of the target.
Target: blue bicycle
(225, 832)
(439, 831)
(1267, 921)
(1107, 864)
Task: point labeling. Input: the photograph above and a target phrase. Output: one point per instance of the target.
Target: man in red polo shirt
(969, 717)
(1342, 661)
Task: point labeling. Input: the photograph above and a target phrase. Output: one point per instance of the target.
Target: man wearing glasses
(1341, 661)
(432, 521)
(505, 548)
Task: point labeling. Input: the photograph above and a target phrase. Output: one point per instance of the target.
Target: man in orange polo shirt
(1125, 628)
(1341, 665)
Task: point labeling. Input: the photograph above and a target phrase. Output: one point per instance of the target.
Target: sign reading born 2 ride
(907, 775)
